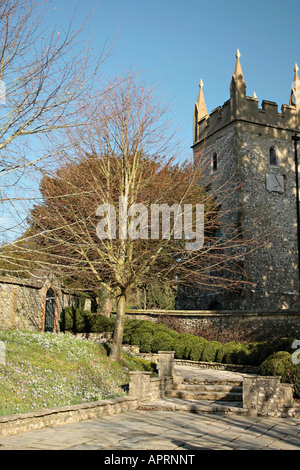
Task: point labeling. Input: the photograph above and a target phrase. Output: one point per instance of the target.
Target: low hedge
(252, 354)
(152, 337)
(210, 351)
(162, 341)
(188, 345)
(228, 353)
(197, 349)
(149, 336)
(281, 364)
(139, 334)
(78, 321)
(295, 379)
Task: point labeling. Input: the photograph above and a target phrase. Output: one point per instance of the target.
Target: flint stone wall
(15, 424)
(261, 325)
(267, 396)
(22, 302)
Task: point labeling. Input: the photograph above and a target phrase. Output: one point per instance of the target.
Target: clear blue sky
(177, 42)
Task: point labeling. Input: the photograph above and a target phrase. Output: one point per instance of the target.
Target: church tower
(259, 146)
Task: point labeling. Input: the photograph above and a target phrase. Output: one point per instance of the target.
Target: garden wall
(23, 302)
(259, 325)
(18, 423)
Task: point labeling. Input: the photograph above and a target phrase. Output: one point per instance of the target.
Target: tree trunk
(145, 298)
(116, 348)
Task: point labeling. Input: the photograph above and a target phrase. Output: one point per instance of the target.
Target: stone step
(198, 381)
(208, 387)
(196, 388)
(203, 395)
(192, 406)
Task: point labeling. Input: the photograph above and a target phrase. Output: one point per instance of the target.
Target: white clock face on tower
(275, 183)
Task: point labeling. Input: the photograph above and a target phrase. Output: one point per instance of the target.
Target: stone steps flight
(206, 389)
(201, 396)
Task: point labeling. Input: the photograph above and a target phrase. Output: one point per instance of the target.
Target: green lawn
(45, 370)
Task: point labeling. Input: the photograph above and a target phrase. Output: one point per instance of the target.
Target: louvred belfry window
(273, 157)
(215, 162)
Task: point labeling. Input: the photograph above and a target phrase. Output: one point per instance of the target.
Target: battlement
(242, 108)
(248, 112)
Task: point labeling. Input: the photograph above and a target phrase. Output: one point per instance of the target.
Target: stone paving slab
(163, 430)
(194, 406)
(209, 374)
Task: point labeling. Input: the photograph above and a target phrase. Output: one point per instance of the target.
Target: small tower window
(214, 162)
(273, 159)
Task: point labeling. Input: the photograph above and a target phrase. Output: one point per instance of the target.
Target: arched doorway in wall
(215, 305)
(49, 310)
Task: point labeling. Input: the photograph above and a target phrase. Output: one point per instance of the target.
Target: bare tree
(46, 76)
(99, 223)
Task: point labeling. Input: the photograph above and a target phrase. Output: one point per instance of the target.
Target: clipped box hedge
(281, 364)
(153, 337)
(78, 321)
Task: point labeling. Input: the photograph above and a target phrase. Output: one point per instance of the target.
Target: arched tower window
(273, 158)
(214, 162)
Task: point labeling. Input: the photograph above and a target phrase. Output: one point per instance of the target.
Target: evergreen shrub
(78, 321)
(228, 353)
(280, 364)
(197, 348)
(67, 319)
(145, 342)
(210, 351)
(164, 328)
(253, 353)
(295, 379)
(180, 346)
(162, 341)
(135, 331)
(283, 344)
(97, 323)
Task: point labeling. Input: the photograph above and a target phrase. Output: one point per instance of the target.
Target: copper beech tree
(122, 210)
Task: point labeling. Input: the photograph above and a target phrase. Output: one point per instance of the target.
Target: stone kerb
(267, 396)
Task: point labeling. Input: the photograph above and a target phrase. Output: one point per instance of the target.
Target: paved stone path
(164, 430)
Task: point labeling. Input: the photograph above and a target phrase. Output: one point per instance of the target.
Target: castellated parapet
(254, 145)
(256, 118)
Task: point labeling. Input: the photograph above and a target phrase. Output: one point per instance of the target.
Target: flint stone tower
(258, 143)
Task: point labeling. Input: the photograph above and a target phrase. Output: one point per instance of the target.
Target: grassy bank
(49, 370)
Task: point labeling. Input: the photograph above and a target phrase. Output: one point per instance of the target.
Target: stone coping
(34, 283)
(212, 313)
(17, 423)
